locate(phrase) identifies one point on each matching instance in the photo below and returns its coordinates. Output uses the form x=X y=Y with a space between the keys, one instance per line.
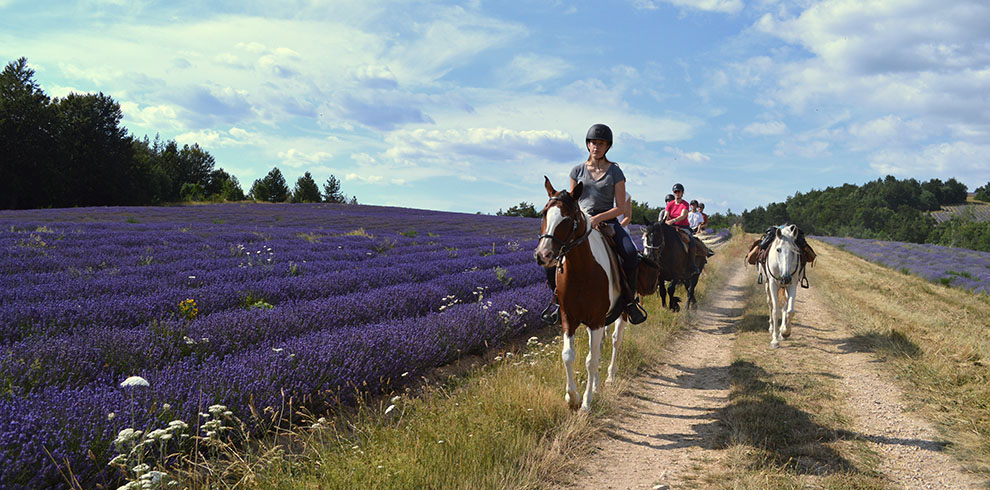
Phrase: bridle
x=766 y=266
x=649 y=247
x=568 y=243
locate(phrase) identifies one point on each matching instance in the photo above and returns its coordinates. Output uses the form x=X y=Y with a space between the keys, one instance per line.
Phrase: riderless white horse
x=782 y=270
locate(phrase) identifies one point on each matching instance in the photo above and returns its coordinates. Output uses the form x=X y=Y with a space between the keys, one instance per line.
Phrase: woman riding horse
x=604 y=199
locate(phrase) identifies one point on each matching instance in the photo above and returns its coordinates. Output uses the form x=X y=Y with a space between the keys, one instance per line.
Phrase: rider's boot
x=635 y=311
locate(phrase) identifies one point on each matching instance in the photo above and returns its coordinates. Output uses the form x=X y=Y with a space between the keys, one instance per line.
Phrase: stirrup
x=550 y=318
x=804 y=282
x=637 y=314
x=759 y=278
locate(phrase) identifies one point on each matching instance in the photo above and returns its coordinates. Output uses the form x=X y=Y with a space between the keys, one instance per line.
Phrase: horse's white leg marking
x=592 y=362
x=568 y=356
x=620 y=326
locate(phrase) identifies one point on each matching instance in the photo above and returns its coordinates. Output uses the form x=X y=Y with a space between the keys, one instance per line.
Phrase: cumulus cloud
x=722 y=6
x=375 y=76
x=486 y=144
x=296 y=158
x=886 y=131
x=531 y=68
x=693 y=156
x=966 y=161
x=234 y=137
x=913 y=56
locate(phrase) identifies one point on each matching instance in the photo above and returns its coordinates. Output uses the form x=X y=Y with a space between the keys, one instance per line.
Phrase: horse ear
x=576 y=194
x=550 y=191
x=778 y=232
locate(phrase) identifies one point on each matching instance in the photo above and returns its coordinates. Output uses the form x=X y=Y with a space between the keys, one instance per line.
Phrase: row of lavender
x=243 y=305
x=958 y=267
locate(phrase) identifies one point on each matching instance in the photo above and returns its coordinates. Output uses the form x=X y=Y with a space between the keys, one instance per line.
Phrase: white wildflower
x=279 y=349
x=389 y=409
x=111 y=415
x=188 y=340
x=166 y=407
x=118 y=459
x=178 y=425
x=134 y=381
x=141 y=469
x=396 y=399
x=126 y=435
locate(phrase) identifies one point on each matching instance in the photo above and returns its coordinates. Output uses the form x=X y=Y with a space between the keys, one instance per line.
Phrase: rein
x=568 y=244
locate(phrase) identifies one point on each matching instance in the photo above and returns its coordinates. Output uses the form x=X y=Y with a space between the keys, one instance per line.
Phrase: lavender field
x=957 y=267
x=245 y=305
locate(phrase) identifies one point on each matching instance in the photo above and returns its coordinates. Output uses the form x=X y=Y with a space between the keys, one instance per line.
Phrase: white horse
x=782 y=270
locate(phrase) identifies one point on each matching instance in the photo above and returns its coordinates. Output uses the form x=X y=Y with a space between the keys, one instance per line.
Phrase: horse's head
x=653 y=241
x=785 y=256
x=562 y=224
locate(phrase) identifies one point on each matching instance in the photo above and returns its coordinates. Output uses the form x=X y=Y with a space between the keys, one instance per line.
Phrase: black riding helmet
x=678 y=187
x=599 y=132
x=668 y=198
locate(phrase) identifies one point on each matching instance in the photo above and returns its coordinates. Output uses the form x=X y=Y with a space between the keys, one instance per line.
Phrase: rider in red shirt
x=677 y=211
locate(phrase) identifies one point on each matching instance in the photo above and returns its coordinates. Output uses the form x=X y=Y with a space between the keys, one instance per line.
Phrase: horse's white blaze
x=554 y=218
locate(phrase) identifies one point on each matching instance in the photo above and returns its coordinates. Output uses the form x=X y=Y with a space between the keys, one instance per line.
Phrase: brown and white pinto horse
x=588 y=286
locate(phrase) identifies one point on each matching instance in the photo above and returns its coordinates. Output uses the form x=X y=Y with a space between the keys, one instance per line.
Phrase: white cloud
x=965 y=161
x=531 y=68
x=722 y=6
x=916 y=56
x=208 y=138
x=296 y=159
x=887 y=131
x=481 y=144
x=694 y=156
x=769 y=128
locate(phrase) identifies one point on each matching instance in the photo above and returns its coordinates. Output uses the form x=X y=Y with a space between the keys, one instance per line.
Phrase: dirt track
x=666 y=438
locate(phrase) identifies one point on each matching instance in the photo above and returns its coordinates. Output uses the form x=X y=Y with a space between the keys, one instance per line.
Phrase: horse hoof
x=785 y=333
x=775 y=344
x=572 y=400
x=585 y=409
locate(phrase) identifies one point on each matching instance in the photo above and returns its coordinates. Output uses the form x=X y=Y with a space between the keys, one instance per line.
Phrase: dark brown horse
x=663 y=244
x=589 y=287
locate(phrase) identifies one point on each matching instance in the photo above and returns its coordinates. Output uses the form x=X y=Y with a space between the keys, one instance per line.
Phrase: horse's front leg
x=674 y=300
x=568 y=355
x=620 y=326
x=788 y=311
x=592 y=362
x=772 y=302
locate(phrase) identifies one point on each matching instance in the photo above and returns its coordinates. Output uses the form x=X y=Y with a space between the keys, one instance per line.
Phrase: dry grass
x=934 y=341
x=785 y=422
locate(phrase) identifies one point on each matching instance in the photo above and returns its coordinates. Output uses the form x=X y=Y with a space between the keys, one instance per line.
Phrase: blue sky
x=466 y=106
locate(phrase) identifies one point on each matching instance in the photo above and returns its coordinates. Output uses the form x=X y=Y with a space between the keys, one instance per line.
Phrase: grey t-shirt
x=598 y=196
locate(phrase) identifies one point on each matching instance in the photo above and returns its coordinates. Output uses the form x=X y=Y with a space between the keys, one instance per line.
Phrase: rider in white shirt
x=694 y=217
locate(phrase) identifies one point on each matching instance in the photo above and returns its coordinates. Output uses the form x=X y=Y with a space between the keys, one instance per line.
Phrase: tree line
x=72 y=151
x=884 y=209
